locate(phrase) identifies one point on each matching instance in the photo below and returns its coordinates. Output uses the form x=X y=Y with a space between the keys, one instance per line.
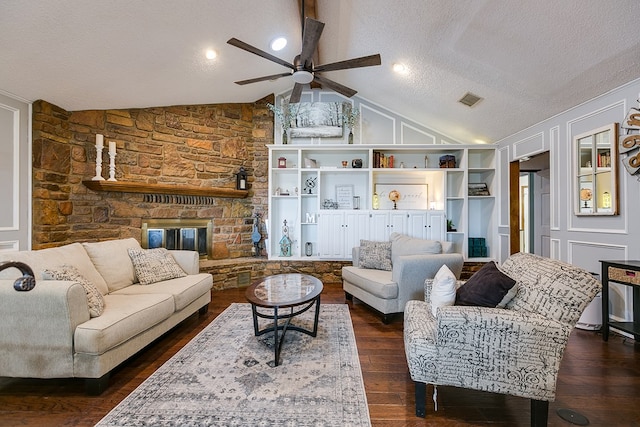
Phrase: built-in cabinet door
x=397 y=222
x=341 y=231
x=436 y=225
x=356 y=228
x=379 y=226
x=332 y=230
x=417 y=225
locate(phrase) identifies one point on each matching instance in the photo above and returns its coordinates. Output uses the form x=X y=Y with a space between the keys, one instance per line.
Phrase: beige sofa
x=410 y=261
x=48 y=332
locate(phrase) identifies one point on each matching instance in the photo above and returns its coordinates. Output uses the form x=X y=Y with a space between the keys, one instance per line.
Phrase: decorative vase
x=284 y=138
x=350 y=137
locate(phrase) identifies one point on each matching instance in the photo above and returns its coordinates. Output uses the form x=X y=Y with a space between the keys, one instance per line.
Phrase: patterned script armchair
x=514 y=350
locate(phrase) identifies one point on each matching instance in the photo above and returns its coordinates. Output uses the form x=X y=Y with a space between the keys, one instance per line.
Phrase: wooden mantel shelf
x=183 y=190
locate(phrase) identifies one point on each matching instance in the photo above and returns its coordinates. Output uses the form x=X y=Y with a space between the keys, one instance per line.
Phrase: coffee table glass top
x=284 y=289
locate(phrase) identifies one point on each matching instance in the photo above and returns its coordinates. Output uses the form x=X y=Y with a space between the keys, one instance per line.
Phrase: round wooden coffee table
x=295 y=292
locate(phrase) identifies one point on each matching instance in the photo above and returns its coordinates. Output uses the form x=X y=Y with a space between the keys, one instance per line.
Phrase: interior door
x=15 y=173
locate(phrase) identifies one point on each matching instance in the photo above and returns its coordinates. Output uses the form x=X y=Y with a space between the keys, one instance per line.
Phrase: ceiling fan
x=302 y=69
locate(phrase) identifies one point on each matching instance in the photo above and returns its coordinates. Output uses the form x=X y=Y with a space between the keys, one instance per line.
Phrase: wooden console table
x=622 y=272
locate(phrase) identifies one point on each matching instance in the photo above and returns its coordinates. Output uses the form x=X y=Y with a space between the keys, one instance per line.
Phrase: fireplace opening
x=187 y=234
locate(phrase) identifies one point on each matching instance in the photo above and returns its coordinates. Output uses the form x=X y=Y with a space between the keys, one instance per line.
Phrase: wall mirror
x=596 y=175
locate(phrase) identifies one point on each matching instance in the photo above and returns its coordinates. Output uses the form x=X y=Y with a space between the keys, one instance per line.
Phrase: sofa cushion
x=375 y=255
x=95 y=299
x=185 y=290
x=488 y=287
x=443 y=289
x=124 y=317
x=112 y=261
x=39 y=260
x=401 y=244
x=154 y=265
x=375 y=282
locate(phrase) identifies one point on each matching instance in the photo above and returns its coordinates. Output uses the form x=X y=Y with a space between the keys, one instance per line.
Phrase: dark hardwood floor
x=599 y=380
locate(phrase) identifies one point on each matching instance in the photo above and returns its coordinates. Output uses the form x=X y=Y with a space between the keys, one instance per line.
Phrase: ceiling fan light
x=211 y=54
x=278 y=44
x=302 y=77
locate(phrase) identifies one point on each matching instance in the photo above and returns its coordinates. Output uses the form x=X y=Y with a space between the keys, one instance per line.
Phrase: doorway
x=530 y=205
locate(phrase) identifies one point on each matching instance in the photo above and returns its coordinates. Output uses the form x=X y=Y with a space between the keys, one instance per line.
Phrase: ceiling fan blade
x=311 y=36
x=348 y=92
x=363 y=61
x=295 y=93
x=244 y=46
x=262 y=79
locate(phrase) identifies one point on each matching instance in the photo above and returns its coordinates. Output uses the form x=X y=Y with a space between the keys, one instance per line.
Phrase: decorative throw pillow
x=488 y=287
x=69 y=272
x=375 y=255
x=154 y=265
x=443 y=289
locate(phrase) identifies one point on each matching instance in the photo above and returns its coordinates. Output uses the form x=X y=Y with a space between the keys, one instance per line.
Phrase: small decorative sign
x=344 y=196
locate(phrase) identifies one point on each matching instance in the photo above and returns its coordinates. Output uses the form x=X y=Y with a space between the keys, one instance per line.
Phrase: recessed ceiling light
x=400 y=68
x=211 y=54
x=278 y=44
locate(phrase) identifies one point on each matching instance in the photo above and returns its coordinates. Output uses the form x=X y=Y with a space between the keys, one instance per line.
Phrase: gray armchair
x=412 y=261
x=514 y=350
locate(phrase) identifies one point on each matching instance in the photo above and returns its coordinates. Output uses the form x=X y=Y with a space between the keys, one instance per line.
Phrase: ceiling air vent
x=470 y=99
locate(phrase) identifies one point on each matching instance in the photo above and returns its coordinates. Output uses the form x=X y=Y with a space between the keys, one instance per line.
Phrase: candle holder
x=98 y=176
x=112 y=166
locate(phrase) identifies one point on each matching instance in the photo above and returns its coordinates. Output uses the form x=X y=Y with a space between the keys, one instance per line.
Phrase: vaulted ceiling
x=529 y=60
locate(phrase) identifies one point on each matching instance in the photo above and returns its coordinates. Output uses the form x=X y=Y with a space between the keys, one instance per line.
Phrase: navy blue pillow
x=486 y=288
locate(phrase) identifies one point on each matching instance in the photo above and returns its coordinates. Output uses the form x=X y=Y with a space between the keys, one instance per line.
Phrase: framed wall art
x=317 y=120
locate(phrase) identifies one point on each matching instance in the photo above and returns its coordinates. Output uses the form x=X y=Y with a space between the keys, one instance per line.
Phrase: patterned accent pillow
x=375 y=255
x=488 y=287
x=69 y=272
x=443 y=289
x=154 y=265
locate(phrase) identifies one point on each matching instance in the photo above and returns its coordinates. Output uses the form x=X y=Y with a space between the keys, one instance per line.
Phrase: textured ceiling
x=528 y=60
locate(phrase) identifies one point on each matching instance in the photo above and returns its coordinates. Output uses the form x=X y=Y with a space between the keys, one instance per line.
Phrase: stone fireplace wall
x=195 y=145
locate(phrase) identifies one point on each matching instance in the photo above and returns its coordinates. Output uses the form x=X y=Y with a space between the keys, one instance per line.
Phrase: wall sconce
x=241 y=179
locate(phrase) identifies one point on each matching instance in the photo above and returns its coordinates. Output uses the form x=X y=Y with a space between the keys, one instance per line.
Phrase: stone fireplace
x=186 y=234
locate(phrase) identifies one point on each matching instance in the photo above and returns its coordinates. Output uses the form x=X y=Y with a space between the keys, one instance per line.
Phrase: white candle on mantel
x=112 y=147
x=99 y=141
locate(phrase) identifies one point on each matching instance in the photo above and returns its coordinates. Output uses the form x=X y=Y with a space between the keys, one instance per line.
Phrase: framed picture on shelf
x=407 y=196
x=344 y=196
x=478 y=189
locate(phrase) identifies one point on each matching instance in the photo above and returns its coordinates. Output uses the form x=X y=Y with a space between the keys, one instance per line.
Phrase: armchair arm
x=500 y=350
x=411 y=271
x=37 y=328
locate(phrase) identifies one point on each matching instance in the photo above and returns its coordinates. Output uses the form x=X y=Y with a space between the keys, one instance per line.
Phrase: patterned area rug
x=224 y=377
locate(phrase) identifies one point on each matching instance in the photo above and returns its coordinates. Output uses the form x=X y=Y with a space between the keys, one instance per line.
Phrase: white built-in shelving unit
x=334 y=232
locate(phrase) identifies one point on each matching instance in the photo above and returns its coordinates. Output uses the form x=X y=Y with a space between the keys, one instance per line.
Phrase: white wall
x=581 y=240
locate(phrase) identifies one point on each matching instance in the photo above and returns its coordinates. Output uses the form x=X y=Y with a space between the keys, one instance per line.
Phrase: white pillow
x=443 y=289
